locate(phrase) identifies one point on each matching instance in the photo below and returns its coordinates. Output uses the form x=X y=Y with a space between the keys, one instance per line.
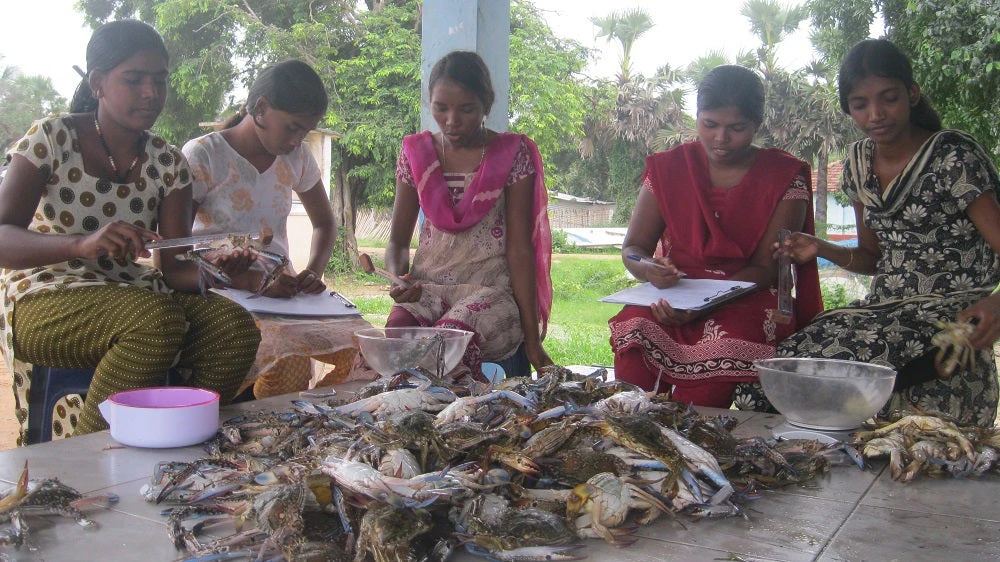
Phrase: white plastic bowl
x=391 y=350
x=825 y=394
x=162 y=416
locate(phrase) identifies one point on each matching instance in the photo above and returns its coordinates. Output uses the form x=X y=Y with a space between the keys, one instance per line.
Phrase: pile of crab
x=415 y=468
x=931 y=444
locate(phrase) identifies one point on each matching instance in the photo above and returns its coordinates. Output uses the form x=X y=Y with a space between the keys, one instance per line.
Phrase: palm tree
x=771 y=23
x=625 y=27
x=803 y=114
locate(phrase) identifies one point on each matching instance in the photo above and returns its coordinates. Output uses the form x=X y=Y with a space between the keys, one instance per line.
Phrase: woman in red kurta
x=715 y=207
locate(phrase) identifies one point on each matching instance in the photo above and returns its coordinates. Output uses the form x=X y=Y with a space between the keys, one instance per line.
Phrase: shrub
x=560 y=242
x=834 y=295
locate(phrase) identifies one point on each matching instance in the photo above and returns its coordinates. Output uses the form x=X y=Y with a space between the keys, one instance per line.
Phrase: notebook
x=687 y=294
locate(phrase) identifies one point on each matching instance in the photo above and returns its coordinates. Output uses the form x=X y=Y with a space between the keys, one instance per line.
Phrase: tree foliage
x=377 y=100
x=625 y=119
x=547 y=96
x=625 y=27
x=956 y=57
x=23 y=99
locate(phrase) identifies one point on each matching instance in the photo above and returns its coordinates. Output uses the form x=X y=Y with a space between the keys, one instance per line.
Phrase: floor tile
x=961 y=497
x=876 y=534
x=778 y=527
x=129 y=538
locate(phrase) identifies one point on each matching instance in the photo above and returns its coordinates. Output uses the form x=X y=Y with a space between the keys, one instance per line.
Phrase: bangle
x=850 y=252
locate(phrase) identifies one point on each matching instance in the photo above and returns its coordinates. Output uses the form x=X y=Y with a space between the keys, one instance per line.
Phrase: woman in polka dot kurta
x=82 y=195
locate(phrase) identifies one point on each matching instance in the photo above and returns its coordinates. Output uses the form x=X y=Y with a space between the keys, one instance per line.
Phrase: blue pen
x=641 y=259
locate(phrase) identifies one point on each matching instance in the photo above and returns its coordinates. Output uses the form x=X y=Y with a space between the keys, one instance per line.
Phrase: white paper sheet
x=687 y=294
x=322 y=304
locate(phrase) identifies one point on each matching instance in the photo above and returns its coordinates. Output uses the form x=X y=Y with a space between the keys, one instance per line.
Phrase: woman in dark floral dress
x=928 y=233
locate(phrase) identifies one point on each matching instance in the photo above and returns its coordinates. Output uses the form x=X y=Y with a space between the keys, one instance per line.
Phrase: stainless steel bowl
x=825 y=394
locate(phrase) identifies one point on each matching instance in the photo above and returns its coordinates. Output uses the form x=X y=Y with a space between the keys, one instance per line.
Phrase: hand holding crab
x=987 y=325
x=230 y=259
x=310 y=282
x=975 y=328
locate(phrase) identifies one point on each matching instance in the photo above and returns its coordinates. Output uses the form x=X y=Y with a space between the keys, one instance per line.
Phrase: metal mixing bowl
x=391 y=350
x=825 y=394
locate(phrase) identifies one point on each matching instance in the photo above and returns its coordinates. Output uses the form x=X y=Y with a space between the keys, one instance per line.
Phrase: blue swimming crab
x=211 y=274
x=45 y=497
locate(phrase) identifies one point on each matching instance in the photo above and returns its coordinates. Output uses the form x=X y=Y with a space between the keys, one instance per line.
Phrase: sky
x=683 y=30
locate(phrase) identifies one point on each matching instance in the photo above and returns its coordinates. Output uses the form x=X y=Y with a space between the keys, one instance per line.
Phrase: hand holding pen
x=661 y=272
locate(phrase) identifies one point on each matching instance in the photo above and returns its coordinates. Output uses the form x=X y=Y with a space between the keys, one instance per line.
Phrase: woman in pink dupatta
x=716 y=205
x=484 y=253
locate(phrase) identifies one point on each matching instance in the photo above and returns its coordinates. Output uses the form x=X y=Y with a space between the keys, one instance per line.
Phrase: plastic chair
x=493 y=371
x=48 y=385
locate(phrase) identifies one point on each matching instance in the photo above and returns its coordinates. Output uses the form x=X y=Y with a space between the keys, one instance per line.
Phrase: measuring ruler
x=195 y=240
x=785 y=280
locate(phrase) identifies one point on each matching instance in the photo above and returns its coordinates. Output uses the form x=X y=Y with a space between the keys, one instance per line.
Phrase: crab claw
x=514 y=459
x=11 y=500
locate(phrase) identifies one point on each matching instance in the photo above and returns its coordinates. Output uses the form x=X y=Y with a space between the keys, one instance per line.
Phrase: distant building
x=570 y=211
x=840 y=220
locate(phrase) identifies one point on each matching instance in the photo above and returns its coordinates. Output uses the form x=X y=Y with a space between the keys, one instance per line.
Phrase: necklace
x=482 y=157
x=111 y=159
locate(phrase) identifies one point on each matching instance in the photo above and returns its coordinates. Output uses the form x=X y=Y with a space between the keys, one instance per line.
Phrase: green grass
x=578 y=329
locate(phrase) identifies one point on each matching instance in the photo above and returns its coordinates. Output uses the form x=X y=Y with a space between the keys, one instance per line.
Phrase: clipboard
x=687 y=294
x=327 y=303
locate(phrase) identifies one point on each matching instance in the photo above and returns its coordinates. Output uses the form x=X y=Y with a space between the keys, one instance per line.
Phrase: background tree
x=547 y=93
x=771 y=23
x=955 y=48
x=625 y=116
x=836 y=25
x=802 y=114
x=23 y=99
x=626 y=28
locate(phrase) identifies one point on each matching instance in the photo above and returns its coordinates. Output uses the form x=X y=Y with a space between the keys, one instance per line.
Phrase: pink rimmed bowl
x=162 y=416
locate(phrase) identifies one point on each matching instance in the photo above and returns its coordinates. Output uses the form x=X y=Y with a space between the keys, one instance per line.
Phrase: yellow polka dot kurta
x=75 y=203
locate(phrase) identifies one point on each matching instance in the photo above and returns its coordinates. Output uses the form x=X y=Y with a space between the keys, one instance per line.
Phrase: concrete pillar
x=482 y=26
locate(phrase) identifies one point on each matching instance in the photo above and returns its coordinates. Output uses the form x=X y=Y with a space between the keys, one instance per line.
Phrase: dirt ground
x=8 y=423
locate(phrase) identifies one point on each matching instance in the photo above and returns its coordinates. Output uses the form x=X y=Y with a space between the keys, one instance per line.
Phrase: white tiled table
x=846 y=515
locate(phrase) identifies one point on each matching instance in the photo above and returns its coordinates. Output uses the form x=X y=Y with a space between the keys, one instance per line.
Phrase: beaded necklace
x=111 y=159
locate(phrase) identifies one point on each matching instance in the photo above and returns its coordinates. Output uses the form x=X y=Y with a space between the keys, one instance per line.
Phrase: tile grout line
x=857 y=505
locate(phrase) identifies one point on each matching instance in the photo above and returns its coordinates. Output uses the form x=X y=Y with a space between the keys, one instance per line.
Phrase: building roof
x=573 y=198
x=834 y=170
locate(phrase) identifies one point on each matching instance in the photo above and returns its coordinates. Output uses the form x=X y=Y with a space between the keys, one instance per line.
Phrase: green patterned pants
x=132 y=336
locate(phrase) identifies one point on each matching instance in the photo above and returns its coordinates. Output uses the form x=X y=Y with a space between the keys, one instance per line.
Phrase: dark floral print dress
x=934 y=264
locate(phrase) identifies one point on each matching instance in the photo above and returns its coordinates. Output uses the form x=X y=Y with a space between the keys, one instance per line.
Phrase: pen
x=343 y=299
x=641 y=259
